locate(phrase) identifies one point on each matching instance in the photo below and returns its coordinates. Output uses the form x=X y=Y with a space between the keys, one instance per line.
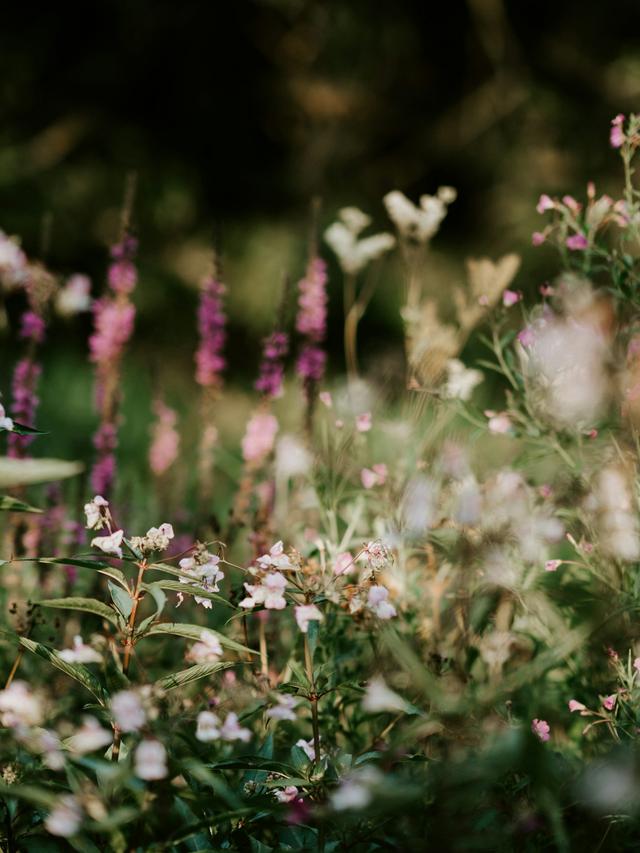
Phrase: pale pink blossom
x=609 y=702
x=269 y=592
x=276 y=558
x=545 y=203
x=343 y=564
x=307 y=747
x=165 y=440
x=510 y=297
x=286 y=795
x=306 y=613
x=616 y=135
x=326 y=399
x=232 y=730
x=89 y=737
x=552 y=565
x=374 y=476
x=65 y=818
x=538 y=238
x=363 y=422
x=499 y=422
x=150 y=761
x=378 y=604
x=541 y=729
x=96 y=512
x=259 y=437
x=128 y=710
x=80 y=652
x=284 y=707
x=574 y=706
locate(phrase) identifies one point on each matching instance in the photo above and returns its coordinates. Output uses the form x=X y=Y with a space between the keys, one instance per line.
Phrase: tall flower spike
x=114 y=317
x=311 y=322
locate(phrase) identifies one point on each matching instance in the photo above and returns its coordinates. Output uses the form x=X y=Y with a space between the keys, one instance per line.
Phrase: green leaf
x=160 y=599
x=75 y=670
x=313 y=632
x=189 y=589
x=121 y=599
x=193 y=673
x=194 y=632
x=23 y=429
x=9 y=504
x=87 y=605
x=23 y=472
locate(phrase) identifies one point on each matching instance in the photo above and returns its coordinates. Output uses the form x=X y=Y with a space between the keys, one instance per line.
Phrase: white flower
x=5 y=422
x=150 y=760
x=269 y=592
x=286 y=795
x=50 y=747
x=460 y=380
x=75 y=296
x=203 y=568
x=13 y=262
x=80 y=653
x=377 y=602
x=128 y=710
x=206 y=650
x=355 y=790
x=376 y=554
x=306 y=613
x=418 y=223
x=379 y=697
x=208 y=727
x=156 y=539
x=232 y=730
x=65 y=818
x=19 y=706
x=499 y=422
x=96 y=511
x=354 y=254
x=307 y=747
x=89 y=737
x=276 y=558
x=110 y=544
x=283 y=710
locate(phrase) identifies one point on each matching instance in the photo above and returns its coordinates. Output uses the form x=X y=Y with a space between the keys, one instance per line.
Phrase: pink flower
x=537 y=238
x=165 y=439
x=545 y=491
x=377 y=602
x=576 y=706
x=510 y=297
x=636 y=664
x=326 y=399
x=571 y=203
x=577 y=242
x=546 y=290
x=499 y=422
x=306 y=613
x=211 y=328
x=344 y=564
x=541 y=729
x=609 y=702
x=259 y=437
x=616 y=135
x=552 y=565
x=545 y=203
x=374 y=476
x=526 y=336
x=286 y=795
x=363 y=422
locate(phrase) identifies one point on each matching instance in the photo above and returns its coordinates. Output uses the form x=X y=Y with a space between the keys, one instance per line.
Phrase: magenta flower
x=271 y=375
x=609 y=702
x=32 y=327
x=552 y=565
x=616 y=135
x=363 y=422
x=576 y=706
x=527 y=336
x=211 y=326
x=545 y=203
x=24 y=402
x=537 y=238
x=311 y=321
x=577 y=242
x=541 y=729
x=123 y=275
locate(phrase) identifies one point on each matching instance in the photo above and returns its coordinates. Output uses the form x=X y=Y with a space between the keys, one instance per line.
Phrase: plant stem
x=128 y=650
x=313 y=697
x=264 y=655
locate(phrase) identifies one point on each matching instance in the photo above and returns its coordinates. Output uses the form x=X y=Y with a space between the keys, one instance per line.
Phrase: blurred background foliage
x=235 y=115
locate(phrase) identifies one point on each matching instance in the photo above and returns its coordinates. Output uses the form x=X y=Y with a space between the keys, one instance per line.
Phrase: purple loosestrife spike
x=25 y=402
x=113 y=318
x=311 y=321
x=211 y=325
x=269 y=381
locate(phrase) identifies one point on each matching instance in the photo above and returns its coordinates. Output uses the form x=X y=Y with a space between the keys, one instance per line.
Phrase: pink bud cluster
x=271 y=375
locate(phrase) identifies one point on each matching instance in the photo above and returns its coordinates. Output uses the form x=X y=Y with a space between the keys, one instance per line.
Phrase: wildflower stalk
x=264 y=654
x=313 y=696
x=128 y=650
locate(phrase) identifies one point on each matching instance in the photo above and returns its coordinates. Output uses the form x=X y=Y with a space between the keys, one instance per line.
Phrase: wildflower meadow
x=320 y=612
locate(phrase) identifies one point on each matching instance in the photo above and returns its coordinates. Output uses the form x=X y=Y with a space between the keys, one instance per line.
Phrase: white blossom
x=379 y=697
x=306 y=613
x=110 y=544
x=353 y=253
x=96 y=513
x=89 y=737
x=80 y=652
x=150 y=761
x=128 y=710
x=19 y=706
x=461 y=380
x=65 y=818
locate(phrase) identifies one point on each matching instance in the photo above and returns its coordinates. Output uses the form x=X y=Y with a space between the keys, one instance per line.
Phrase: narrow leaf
x=193 y=673
x=194 y=632
x=9 y=504
x=75 y=670
x=87 y=605
x=121 y=599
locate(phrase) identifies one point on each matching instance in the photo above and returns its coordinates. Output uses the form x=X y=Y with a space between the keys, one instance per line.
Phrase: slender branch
x=313 y=697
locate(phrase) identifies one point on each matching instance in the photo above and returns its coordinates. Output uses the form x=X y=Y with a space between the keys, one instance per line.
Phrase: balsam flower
x=378 y=604
x=286 y=795
x=80 y=652
x=5 y=422
x=284 y=707
x=19 y=706
x=270 y=592
x=206 y=650
x=306 y=613
x=65 y=819
x=110 y=544
x=89 y=737
x=541 y=729
x=150 y=761
x=128 y=710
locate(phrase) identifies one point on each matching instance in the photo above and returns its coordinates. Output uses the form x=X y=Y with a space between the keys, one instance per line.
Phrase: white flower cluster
x=202 y=570
x=13 y=263
x=5 y=422
x=272 y=583
x=156 y=539
x=355 y=253
x=206 y=650
x=209 y=727
x=419 y=223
